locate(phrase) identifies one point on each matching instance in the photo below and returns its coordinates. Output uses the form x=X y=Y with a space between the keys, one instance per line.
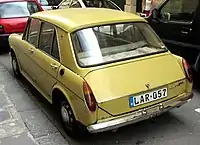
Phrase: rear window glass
x=17 y=9
x=116 y=42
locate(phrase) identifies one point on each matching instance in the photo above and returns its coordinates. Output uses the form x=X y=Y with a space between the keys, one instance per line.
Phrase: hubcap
x=64 y=114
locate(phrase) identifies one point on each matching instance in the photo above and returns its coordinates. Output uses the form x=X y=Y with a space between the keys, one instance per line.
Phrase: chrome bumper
x=140 y=115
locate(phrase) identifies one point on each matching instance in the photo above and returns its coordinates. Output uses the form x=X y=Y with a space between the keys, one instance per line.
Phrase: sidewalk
x=12 y=128
x=22 y=122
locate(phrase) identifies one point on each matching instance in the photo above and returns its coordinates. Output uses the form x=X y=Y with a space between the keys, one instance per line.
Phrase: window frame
x=54 y=35
x=58 y=46
x=28 y=30
x=42 y=24
x=175 y=21
x=72 y=36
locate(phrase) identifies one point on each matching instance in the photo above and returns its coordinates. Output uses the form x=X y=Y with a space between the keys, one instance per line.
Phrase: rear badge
x=147 y=85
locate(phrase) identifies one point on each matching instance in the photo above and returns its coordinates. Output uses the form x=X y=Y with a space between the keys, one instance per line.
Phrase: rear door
x=174 y=22
x=47 y=58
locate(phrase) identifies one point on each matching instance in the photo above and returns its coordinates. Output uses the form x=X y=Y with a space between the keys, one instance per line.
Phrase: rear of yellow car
x=134 y=77
x=122 y=91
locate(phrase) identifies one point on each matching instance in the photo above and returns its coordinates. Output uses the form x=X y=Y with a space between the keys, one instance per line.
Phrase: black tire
x=71 y=126
x=15 y=65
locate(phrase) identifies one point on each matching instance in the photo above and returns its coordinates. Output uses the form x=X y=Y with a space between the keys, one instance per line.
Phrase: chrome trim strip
x=140 y=115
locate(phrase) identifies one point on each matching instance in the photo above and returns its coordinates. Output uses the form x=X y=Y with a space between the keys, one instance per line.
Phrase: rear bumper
x=140 y=115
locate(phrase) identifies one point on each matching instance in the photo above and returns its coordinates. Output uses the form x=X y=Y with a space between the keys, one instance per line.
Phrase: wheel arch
x=12 y=53
x=58 y=93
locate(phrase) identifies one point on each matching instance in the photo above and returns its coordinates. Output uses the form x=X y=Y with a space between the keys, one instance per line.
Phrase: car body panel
x=71 y=84
x=14 y=25
x=117 y=87
x=44 y=65
x=111 y=83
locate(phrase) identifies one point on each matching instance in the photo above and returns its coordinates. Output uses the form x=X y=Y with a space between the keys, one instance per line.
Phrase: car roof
x=72 y=19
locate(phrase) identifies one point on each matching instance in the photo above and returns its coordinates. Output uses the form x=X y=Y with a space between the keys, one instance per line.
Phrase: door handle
x=54 y=66
x=31 y=50
x=184 y=32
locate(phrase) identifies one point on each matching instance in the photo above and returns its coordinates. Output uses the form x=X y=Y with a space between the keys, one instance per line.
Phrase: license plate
x=147 y=97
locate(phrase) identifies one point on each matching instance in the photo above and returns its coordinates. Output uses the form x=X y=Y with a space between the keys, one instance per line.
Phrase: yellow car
x=101 y=68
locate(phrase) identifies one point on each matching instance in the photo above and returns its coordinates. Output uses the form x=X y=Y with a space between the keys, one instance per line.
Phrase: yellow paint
x=112 y=84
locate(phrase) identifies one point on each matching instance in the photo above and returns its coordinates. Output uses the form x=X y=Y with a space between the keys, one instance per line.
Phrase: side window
x=179 y=10
x=76 y=4
x=54 y=50
x=34 y=28
x=48 y=40
x=46 y=37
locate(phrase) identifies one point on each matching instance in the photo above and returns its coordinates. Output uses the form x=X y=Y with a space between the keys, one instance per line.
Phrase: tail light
x=1 y=29
x=187 y=69
x=89 y=97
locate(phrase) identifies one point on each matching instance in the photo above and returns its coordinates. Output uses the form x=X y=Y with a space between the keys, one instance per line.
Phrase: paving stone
x=22 y=101
x=37 y=123
x=19 y=139
x=52 y=139
x=4 y=115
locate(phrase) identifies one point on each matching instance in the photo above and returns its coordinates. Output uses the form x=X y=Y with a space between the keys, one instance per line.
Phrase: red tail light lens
x=188 y=70
x=89 y=97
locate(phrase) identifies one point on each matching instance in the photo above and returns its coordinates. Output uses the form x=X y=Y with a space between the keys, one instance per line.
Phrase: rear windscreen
x=115 y=42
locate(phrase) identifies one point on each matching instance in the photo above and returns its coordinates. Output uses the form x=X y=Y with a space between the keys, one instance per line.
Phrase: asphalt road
x=178 y=127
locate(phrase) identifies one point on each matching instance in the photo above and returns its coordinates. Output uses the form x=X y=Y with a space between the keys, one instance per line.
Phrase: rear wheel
x=67 y=116
x=71 y=126
x=15 y=65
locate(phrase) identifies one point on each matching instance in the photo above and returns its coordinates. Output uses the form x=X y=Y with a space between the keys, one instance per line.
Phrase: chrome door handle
x=30 y=50
x=185 y=32
x=54 y=66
